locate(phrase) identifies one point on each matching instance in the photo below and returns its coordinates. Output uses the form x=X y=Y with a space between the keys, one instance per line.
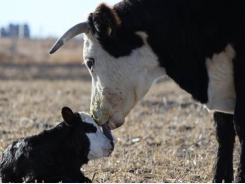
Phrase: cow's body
x=183 y=35
x=198 y=43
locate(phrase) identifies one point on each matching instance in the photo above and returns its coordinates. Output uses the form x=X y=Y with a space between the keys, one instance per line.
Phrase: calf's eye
x=89 y=128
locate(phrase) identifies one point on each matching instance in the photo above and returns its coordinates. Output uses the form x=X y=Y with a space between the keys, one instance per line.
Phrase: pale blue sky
x=47 y=17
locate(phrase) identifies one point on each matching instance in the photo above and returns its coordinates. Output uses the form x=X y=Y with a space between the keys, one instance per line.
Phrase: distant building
x=15 y=30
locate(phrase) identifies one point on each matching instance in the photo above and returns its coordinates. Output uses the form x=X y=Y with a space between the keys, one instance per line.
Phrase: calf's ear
x=105 y=19
x=68 y=115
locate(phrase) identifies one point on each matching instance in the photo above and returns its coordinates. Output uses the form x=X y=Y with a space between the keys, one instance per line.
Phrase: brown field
x=26 y=50
x=166 y=137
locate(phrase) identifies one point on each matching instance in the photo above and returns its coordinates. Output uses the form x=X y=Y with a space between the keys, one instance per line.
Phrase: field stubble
x=166 y=137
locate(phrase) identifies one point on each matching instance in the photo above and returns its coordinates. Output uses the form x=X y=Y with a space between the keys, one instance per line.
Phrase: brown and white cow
x=200 y=44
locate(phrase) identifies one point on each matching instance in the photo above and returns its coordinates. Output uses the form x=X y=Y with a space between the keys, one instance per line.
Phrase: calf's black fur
x=54 y=155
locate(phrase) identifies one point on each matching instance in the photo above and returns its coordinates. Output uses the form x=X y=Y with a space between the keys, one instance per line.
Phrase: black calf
x=52 y=156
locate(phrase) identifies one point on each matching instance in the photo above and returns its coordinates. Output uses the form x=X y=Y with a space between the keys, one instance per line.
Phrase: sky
x=47 y=18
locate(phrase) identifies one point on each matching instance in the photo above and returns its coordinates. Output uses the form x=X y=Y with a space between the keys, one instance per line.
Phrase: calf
x=57 y=154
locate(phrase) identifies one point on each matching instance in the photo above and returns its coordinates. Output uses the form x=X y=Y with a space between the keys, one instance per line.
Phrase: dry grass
x=36 y=51
x=166 y=137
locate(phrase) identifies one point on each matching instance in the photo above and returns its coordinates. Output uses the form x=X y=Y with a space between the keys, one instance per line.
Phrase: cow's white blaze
x=100 y=145
x=119 y=83
x=221 y=90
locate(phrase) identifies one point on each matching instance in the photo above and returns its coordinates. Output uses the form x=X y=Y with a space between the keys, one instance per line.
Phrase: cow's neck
x=181 y=48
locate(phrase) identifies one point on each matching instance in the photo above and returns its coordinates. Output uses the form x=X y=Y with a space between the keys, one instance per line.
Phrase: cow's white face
x=119 y=79
x=118 y=83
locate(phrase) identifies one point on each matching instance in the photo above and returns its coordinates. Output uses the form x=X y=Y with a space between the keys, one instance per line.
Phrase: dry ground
x=36 y=50
x=166 y=137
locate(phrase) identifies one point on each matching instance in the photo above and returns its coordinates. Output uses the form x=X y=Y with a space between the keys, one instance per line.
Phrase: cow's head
x=120 y=61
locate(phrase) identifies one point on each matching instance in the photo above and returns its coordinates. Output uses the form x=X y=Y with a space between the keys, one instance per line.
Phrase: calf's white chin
x=100 y=145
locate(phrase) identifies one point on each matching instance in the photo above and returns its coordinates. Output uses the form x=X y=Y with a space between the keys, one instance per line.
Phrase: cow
x=200 y=44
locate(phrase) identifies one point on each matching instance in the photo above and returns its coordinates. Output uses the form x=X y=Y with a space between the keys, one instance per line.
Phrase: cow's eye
x=90 y=63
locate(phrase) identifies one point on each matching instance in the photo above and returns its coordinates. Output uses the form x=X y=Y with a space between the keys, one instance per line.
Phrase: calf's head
x=120 y=61
x=100 y=144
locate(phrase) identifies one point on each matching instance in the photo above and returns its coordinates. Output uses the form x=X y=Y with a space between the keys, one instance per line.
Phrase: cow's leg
x=239 y=119
x=239 y=114
x=225 y=134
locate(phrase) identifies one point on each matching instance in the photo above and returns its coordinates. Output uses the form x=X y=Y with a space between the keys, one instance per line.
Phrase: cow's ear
x=68 y=115
x=105 y=19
